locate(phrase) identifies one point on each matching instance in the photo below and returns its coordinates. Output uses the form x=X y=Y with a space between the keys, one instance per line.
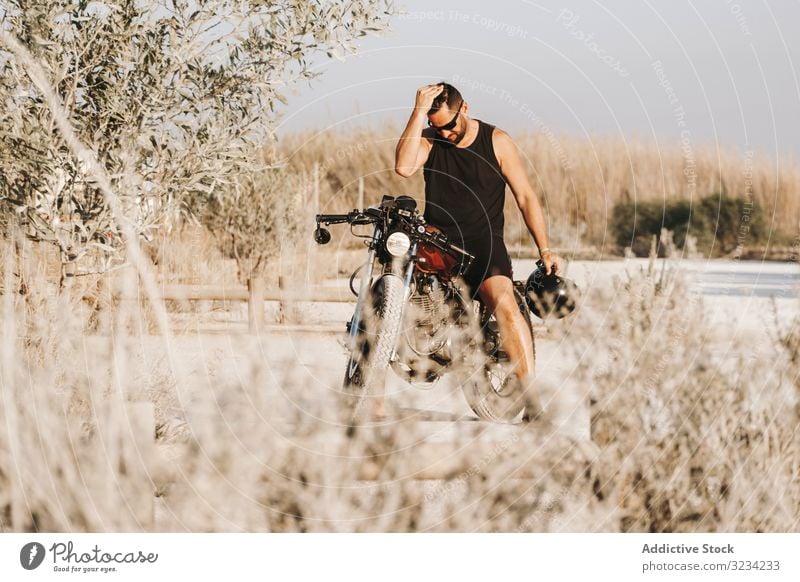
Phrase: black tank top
x=464 y=188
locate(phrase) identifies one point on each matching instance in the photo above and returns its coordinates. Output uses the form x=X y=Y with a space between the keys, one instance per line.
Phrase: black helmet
x=548 y=295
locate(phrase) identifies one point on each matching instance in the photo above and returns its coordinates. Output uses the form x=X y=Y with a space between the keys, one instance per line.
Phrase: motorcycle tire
x=368 y=363
x=489 y=385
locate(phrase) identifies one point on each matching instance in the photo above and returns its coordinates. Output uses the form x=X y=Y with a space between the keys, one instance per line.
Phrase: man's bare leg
x=497 y=293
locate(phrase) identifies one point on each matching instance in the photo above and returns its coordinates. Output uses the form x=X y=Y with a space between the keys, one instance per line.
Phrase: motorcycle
x=414 y=313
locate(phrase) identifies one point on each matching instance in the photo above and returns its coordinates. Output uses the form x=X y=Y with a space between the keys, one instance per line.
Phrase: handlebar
x=332 y=218
x=372 y=215
x=353 y=217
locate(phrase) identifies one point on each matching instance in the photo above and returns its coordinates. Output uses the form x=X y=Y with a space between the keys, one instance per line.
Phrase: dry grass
x=690 y=441
x=175 y=254
x=683 y=440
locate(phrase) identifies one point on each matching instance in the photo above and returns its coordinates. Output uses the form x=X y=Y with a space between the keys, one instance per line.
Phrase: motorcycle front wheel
x=370 y=356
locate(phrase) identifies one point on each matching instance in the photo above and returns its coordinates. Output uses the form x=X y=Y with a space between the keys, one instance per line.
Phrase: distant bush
x=718 y=224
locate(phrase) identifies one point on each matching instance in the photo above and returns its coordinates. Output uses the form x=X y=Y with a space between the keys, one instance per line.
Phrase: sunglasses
x=451 y=124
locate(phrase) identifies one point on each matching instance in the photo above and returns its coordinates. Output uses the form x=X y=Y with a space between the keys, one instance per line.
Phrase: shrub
x=719 y=224
x=725 y=223
x=257 y=219
x=688 y=441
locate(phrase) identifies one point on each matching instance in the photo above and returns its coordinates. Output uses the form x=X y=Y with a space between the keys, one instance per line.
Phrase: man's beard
x=459 y=137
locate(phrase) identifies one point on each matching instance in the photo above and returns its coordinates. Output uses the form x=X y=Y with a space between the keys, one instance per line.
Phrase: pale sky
x=708 y=71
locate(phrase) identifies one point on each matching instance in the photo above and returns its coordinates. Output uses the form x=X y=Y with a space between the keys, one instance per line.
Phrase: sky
x=703 y=72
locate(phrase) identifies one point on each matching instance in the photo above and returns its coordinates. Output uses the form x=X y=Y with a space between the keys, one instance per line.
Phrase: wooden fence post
x=360 y=202
x=281 y=306
x=255 y=303
x=315 y=192
x=311 y=256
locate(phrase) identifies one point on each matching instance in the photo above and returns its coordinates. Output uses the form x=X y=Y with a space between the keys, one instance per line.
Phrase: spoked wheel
x=356 y=363
x=369 y=358
x=489 y=384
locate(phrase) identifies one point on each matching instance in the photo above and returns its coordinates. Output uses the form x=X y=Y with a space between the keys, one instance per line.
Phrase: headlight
x=398 y=244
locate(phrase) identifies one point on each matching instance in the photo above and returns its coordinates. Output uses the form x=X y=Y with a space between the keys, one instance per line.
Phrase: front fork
x=364 y=287
x=363 y=292
x=412 y=263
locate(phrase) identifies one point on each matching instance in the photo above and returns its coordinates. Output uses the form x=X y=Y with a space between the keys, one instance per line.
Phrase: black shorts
x=491 y=258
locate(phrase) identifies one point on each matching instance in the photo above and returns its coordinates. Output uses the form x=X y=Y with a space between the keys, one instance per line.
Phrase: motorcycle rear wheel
x=488 y=383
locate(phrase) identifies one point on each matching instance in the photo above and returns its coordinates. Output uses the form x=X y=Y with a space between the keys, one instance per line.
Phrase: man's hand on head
x=425 y=97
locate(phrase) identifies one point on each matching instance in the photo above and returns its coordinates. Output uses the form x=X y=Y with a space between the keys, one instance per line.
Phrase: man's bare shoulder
x=502 y=143
x=500 y=137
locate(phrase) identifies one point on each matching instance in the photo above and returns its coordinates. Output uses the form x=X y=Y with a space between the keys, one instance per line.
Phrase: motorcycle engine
x=428 y=311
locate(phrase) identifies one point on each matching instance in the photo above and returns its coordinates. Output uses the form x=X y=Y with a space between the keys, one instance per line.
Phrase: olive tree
x=257 y=217
x=172 y=97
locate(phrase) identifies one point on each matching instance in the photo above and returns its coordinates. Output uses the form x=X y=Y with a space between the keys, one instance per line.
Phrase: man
x=467 y=164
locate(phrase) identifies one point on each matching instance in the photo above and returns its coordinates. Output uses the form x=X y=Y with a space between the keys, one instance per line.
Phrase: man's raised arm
x=413 y=149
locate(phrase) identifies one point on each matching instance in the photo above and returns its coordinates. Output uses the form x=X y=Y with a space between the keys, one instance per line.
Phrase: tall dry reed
x=578 y=180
